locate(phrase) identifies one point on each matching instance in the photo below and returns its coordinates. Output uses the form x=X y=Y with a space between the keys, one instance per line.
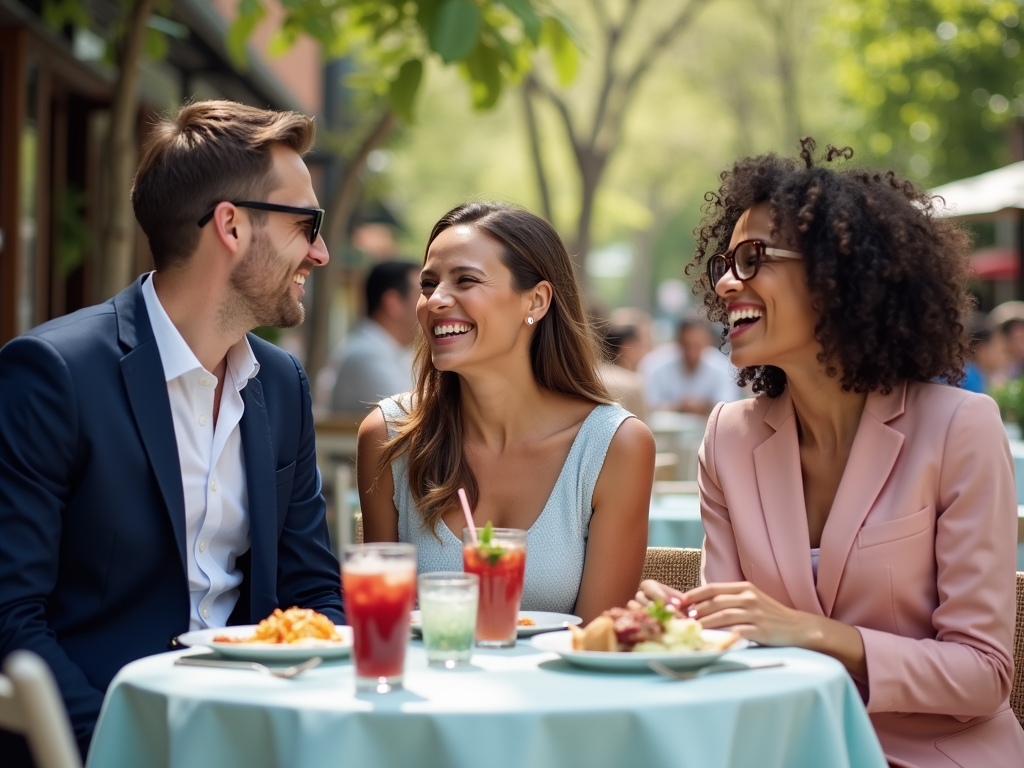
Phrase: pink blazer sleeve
x=967 y=670
x=720 y=560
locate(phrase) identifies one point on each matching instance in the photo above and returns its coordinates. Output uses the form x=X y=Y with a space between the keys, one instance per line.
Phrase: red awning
x=996 y=264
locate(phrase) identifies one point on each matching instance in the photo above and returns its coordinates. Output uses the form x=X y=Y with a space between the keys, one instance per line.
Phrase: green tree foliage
x=491 y=42
x=939 y=81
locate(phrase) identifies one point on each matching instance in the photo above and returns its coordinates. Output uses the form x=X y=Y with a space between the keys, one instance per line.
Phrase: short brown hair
x=211 y=151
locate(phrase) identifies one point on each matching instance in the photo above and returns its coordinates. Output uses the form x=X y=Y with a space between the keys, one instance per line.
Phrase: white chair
x=30 y=704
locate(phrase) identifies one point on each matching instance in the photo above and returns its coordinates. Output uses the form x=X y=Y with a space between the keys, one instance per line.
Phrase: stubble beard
x=261 y=289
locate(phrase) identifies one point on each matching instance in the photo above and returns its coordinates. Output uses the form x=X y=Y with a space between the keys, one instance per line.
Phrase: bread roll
x=599 y=635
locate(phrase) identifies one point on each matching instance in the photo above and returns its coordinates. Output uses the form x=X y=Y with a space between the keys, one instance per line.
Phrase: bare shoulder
x=632 y=436
x=630 y=455
x=373 y=430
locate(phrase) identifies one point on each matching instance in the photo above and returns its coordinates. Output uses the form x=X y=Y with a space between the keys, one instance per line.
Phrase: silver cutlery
x=711 y=669
x=290 y=672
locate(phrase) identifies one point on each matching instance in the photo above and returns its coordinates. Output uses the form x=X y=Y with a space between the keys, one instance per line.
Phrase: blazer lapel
x=780 y=486
x=260 y=477
x=875 y=449
x=143 y=374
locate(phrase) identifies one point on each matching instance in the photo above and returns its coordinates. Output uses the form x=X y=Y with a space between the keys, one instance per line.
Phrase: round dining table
x=518 y=707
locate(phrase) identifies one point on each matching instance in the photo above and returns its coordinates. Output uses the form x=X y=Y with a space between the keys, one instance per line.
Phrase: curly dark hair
x=886 y=276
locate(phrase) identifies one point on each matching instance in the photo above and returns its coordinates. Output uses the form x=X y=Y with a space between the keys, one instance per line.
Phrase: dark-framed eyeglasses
x=316 y=214
x=744 y=260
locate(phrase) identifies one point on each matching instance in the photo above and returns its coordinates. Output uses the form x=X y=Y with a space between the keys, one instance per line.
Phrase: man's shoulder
x=273 y=359
x=80 y=335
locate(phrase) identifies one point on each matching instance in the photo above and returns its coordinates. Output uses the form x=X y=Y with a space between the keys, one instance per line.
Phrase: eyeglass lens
x=746 y=257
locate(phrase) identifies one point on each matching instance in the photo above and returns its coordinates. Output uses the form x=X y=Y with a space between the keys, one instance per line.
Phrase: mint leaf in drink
x=486 y=548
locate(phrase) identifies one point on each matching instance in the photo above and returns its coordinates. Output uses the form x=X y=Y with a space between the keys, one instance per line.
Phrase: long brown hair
x=563 y=354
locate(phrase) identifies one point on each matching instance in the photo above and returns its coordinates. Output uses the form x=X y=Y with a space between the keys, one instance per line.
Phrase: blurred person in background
x=624 y=384
x=691 y=376
x=376 y=359
x=987 y=362
x=633 y=331
x=509 y=405
x=1008 y=319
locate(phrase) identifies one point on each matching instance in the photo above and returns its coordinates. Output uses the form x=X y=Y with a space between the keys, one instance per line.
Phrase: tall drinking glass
x=500 y=564
x=448 y=603
x=379 y=584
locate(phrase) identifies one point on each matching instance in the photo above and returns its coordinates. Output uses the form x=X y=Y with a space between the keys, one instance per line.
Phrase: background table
x=674 y=521
x=513 y=708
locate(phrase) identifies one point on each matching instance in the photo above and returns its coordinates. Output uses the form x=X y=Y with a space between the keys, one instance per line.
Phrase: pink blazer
x=918 y=553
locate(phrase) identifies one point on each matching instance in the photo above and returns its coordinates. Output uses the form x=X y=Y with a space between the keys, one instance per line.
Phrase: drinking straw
x=469 y=515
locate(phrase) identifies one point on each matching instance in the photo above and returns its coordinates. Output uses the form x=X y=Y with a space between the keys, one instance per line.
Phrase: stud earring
x=529 y=321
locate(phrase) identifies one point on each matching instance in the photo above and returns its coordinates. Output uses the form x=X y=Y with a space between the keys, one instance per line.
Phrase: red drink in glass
x=500 y=569
x=380 y=591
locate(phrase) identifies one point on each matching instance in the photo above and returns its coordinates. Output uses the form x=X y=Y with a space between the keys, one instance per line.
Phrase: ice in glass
x=448 y=604
x=499 y=559
x=379 y=586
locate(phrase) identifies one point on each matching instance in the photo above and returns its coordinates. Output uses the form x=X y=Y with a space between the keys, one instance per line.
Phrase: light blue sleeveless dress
x=555 y=544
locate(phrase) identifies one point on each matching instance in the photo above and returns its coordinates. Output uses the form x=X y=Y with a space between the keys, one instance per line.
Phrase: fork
x=711 y=669
x=287 y=674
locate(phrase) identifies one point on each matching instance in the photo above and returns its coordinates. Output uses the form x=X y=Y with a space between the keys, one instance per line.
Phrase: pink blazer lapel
x=780 y=486
x=876 y=447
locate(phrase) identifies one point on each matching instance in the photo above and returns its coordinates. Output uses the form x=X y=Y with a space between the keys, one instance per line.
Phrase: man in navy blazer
x=114 y=539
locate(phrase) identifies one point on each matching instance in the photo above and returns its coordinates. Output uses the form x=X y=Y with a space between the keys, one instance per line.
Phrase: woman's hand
x=750 y=613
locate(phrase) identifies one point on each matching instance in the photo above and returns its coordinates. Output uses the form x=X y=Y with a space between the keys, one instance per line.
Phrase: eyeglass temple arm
x=782 y=253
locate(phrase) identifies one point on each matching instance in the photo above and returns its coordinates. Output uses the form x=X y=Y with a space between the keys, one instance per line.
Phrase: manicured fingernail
x=692 y=613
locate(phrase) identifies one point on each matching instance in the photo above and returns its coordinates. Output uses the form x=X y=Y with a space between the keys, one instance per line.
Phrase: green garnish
x=492 y=552
x=658 y=611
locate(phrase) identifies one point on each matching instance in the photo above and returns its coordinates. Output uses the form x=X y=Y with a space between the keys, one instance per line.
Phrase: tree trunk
x=338 y=216
x=591 y=167
x=117 y=242
x=533 y=133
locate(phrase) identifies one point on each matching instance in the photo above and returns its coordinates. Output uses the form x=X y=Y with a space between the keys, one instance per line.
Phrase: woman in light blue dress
x=509 y=405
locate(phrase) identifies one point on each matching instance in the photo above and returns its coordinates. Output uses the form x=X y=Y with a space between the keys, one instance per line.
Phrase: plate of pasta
x=287 y=636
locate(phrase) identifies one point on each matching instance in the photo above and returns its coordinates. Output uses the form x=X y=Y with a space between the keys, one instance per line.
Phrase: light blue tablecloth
x=675 y=522
x=518 y=708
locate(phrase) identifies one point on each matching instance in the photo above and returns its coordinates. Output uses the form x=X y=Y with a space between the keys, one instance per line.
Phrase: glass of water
x=448 y=603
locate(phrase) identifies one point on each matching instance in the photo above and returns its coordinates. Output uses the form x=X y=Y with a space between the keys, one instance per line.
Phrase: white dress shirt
x=667 y=382
x=212 y=465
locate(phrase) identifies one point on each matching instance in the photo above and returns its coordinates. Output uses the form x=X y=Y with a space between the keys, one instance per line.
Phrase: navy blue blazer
x=92 y=515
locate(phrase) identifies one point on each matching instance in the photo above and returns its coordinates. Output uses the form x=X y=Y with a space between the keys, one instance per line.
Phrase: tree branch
x=563 y=111
x=661 y=42
x=339 y=216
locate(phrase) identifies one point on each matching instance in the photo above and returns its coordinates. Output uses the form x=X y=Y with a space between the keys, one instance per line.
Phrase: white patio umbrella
x=994 y=195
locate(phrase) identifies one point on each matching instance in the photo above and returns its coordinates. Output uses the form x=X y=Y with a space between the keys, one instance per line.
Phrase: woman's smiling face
x=469 y=309
x=771 y=320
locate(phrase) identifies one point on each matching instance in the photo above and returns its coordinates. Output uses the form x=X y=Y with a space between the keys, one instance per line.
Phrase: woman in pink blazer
x=854 y=507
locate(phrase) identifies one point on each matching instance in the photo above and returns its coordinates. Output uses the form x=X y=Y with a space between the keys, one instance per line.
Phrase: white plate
x=561 y=643
x=544 y=621
x=272 y=652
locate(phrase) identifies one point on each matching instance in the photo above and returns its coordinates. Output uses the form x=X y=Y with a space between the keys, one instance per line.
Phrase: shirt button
x=202 y=545
x=202 y=421
x=204 y=381
x=213 y=486
x=206 y=612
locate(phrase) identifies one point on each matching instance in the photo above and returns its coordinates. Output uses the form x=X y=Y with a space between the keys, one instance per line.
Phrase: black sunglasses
x=316 y=214
x=744 y=260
